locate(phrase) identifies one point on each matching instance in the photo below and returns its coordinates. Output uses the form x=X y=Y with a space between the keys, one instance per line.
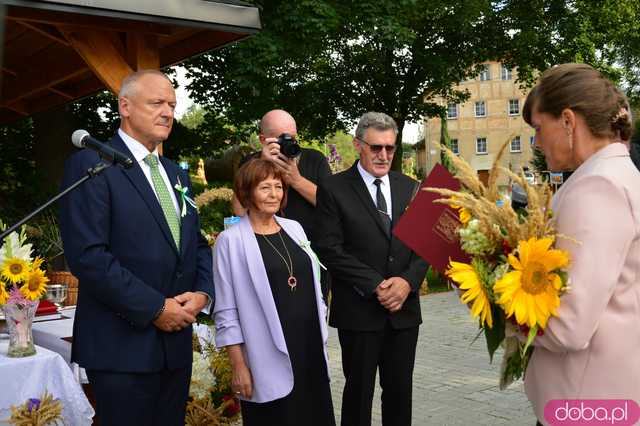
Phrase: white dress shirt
x=140 y=152
x=368 y=179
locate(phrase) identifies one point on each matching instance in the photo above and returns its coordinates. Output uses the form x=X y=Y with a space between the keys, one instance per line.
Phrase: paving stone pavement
x=453 y=382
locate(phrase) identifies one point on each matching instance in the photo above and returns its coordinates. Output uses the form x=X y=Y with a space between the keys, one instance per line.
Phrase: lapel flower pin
x=184 y=198
x=306 y=246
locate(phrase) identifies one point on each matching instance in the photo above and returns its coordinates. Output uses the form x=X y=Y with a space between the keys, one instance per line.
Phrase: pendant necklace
x=292 y=281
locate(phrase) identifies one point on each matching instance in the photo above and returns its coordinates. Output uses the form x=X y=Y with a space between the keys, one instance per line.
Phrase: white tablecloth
x=29 y=377
x=50 y=334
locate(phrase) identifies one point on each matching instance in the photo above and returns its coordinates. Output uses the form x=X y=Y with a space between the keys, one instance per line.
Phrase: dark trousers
x=141 y=399
x=363 y=352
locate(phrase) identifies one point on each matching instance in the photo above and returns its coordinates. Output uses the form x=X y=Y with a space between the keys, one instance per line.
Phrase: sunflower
x=463 y=214
x=37 y=263
x=35 y=286
x=3 y=294
x=532 y=290
x=15 y=270
x=469 y=281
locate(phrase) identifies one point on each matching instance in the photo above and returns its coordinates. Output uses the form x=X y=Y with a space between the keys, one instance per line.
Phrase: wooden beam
x=48 y=31
x=18 y=52
x=142 y=51
x=61 y=93
x=85 y=22
x=100 y=52
x=200 y=42
x=8 y=71
x=62 y=64
x=12 y=30
x=82 y=87
x=19 y=107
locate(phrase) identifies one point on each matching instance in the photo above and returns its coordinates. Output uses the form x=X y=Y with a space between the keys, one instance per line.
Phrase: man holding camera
x=303 y=168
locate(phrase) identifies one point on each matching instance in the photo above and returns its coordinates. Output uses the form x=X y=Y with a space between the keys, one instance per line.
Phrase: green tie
x=164 y=197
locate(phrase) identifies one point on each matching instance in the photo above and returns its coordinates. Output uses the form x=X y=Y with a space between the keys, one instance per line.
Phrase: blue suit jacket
x=117 y=242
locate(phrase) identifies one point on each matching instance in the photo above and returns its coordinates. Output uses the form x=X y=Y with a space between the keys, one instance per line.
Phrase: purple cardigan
x=246 y=313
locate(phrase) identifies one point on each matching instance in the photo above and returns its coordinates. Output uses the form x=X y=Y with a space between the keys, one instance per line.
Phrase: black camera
x=289 y=145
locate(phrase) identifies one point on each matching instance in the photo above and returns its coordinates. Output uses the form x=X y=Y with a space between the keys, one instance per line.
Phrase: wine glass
x=57 y=293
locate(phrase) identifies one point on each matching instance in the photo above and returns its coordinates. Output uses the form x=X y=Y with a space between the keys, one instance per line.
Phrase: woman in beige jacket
x=591 y=350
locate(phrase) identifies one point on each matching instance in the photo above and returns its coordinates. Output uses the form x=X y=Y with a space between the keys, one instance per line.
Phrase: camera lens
x=289 y=145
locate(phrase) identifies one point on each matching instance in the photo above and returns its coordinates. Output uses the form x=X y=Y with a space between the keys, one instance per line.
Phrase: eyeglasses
x=376 y=149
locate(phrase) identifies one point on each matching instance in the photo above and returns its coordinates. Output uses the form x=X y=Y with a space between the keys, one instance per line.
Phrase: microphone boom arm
x=92 y=172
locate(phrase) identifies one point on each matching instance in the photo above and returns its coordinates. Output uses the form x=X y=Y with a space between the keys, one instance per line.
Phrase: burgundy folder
x=430 y=229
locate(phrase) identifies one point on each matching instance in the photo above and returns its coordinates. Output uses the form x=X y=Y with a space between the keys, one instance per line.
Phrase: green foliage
x=344 y=144
x=539 y=164
x=98 y=114
x=495 y=335
x=212 y=215
x=635 y=138
x=445 y=141
x=19 y=177
x=541 y=33
x=314 y=144
x=193 y=117
x=44 y=234
x=329 y=61
x=203 y=134
x=436 y=282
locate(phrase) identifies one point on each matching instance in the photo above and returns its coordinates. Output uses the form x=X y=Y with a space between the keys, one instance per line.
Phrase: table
x=29 y=377
x=55 y=335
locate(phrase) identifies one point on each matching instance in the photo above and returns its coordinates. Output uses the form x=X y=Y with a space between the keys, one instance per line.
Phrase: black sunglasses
x=376 y=149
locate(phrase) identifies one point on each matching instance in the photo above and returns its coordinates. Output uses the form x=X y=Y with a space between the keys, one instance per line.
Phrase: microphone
x=82 y=139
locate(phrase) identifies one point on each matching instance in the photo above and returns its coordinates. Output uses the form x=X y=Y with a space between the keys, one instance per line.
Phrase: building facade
x=477 y=128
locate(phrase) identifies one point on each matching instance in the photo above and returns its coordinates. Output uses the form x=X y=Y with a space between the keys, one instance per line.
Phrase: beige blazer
x=592 y=349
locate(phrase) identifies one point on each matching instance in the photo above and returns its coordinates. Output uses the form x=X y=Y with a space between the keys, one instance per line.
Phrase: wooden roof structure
x=57 y=51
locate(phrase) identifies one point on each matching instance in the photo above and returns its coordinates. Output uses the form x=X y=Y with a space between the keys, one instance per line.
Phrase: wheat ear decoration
x=464 y=173
x=494 y=173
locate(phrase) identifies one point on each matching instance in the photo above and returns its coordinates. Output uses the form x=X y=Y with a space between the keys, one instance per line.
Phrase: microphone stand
x=92 y=172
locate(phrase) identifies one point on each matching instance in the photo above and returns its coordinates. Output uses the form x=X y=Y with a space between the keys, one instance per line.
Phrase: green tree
x=541 y=33
x=539 y=164
x=328 y=61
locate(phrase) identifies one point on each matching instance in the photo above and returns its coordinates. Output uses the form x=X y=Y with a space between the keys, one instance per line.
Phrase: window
x=484 y=73
x=514 y=106
x=454 y=146
x=532 y=141
x=481 y=145
x=481 y=109
x=452 y=110
x=506 y=73
x=515 y=144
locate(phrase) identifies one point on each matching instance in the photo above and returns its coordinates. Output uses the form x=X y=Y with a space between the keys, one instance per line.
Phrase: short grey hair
x=376 y=120
x=129 y=84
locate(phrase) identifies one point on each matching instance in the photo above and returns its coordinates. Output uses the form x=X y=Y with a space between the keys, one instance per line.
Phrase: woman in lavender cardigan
x=269 y=312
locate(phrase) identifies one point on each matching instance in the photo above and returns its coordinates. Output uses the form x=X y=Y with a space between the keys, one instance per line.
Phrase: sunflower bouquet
x=22 y=284
x=516 y=277
x=22 y=279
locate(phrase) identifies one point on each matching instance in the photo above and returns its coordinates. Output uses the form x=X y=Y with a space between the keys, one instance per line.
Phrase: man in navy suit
x=144 y=268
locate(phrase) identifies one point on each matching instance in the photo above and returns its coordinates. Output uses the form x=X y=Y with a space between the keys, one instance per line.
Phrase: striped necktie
x=164 y=197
